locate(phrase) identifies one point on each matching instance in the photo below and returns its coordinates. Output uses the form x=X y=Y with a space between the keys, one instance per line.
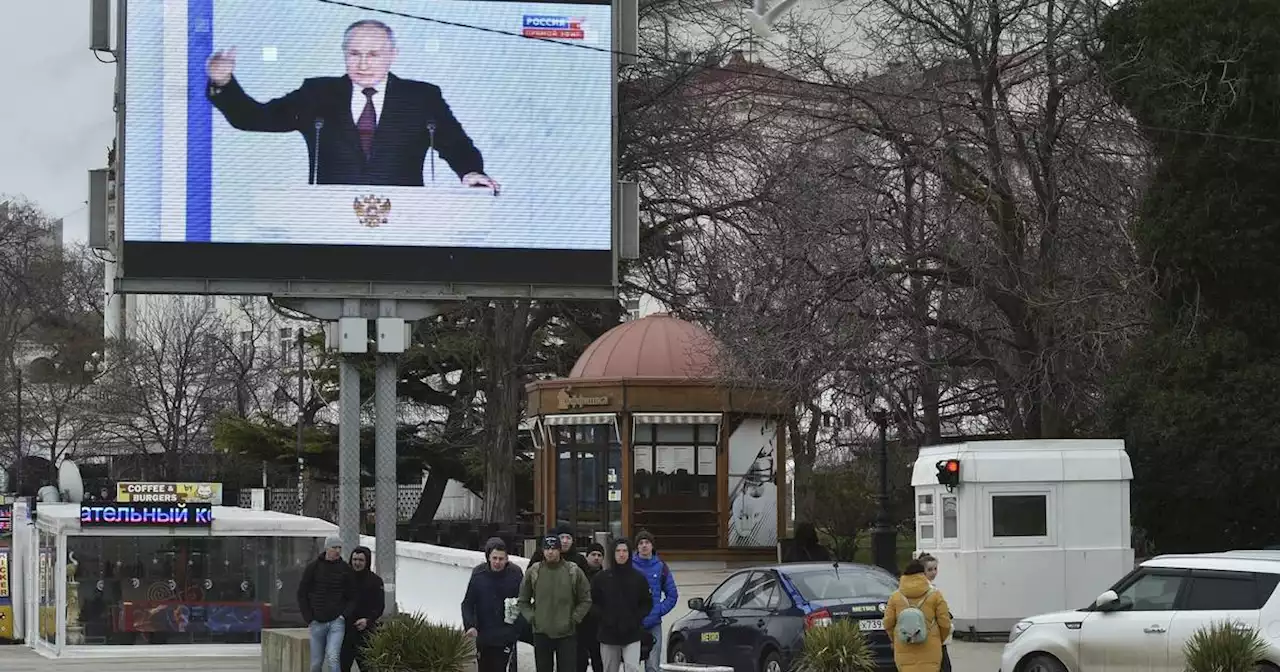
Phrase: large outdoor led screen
x=400 y=141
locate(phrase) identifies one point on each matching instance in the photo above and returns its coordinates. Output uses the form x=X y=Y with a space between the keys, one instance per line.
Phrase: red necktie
x=368 y=122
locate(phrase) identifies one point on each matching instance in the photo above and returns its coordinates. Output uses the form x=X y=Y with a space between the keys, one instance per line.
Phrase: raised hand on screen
x=221 y=65
x=481 y=180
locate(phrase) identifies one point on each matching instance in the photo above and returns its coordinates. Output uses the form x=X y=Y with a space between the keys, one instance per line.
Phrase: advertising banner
x=146 y=515
x=6 y=594
x=207 y=493
x=405 y=140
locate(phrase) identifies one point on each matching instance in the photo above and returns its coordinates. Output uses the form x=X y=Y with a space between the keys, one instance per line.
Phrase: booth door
x=674 y=485
x=588 y=480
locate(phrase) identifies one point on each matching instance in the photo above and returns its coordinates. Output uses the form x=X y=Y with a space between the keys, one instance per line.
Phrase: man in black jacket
x=620 y=600
x=588 y=647
x=367 y=607
x=485 y=611
x=325 y=596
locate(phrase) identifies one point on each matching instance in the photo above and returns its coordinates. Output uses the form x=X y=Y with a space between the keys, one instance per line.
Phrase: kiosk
x=138 y=575
x=1028 y=527
x=647 y=433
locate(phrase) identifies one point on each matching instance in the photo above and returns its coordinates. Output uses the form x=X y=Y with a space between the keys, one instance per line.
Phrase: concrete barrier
x=286 y=650
x=433 y=579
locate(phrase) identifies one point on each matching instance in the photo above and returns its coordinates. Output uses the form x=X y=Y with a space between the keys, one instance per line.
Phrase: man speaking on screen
x=367 y=127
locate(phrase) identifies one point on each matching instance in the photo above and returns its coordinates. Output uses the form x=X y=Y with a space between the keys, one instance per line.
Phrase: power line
x=782 y=77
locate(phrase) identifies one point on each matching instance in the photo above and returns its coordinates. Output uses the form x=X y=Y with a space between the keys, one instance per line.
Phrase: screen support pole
x=350 y=349
x=392 y=337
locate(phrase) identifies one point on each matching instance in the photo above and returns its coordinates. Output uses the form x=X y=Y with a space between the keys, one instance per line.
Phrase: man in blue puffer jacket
x=662 y=585
x=484 y=614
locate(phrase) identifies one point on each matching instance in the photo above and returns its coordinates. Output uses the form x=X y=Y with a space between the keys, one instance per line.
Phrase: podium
x=439 y=215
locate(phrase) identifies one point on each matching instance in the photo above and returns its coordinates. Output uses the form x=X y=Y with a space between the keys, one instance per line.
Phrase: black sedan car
x=756 y=619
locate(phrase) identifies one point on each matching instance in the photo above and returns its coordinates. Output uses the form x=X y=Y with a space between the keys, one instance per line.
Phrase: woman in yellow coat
x=914 y=590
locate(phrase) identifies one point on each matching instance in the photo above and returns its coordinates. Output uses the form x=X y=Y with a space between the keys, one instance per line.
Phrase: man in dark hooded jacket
x=367 y=607
x=484 y=610
x=620 y=600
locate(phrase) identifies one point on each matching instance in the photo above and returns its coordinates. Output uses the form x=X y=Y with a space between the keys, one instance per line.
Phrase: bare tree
x=171 y=378
x=1006 y=181
x=50 y=334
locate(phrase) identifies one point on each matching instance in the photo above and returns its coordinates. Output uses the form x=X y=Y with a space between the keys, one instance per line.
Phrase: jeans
x=326 y=644
x=626 y=656
x=555 y=655
x=654 y=662
x=946 y=659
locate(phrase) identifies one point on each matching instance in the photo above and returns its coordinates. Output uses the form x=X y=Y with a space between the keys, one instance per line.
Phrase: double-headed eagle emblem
x=372 y=210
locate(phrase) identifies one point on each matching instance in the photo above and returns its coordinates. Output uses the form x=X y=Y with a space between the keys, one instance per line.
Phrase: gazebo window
x=675 y=460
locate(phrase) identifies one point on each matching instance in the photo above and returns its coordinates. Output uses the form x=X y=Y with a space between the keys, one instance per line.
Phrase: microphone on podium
x=431 y=147
x=315 y=154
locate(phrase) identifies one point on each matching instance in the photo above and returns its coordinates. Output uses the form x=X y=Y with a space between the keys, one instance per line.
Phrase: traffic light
x=949 y=473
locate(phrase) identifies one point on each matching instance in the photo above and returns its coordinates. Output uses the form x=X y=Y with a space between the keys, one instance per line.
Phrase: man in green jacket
x=554 y=598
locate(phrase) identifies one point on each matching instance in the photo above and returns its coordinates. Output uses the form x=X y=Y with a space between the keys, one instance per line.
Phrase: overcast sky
x=52 y=134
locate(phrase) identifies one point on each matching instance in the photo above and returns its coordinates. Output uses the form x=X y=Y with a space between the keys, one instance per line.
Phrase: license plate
x=870 y=624
x=710 y=636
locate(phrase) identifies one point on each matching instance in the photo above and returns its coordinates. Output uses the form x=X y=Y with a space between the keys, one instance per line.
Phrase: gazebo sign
x=566 y=401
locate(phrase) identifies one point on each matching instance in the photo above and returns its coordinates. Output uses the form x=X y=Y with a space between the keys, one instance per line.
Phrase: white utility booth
x=130 y=579
x=1033 y=526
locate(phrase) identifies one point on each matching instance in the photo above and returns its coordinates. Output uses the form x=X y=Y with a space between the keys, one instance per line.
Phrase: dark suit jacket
x=409 y=110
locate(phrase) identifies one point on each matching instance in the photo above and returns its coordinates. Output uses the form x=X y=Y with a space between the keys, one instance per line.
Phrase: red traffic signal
x=949 y=473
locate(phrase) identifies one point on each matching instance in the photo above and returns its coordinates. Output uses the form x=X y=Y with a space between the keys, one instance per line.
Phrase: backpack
x=912 y=626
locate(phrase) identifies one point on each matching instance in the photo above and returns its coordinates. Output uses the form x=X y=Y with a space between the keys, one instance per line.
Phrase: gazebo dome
x=657 y=346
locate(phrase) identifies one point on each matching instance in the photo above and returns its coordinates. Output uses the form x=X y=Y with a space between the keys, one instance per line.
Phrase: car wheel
x=771 y=662
x=676 y=654
x=1043 y=663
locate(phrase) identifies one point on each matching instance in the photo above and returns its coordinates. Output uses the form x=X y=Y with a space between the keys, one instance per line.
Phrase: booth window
x=950 y=519
x=188 y=590
x=924 y=515
x=48 y=587
x=1020 y=515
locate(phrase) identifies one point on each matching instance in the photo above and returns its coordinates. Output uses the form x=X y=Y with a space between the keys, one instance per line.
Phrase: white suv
x=1143 y=622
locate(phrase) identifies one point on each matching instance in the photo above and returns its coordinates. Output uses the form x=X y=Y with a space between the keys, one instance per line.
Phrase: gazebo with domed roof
x=645 y=434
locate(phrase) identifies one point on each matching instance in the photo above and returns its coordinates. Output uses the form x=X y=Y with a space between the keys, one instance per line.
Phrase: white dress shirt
x=358 y=101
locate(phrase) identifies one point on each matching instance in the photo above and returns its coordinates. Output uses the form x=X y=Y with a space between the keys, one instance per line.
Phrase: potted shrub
x=411 y=643
x=1227 y=646
x=839 y=647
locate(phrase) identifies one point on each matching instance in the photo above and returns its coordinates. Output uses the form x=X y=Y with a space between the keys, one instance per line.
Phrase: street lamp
x=884 y=542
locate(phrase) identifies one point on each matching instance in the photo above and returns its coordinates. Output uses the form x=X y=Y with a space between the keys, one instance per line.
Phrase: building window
x=950 y=519
x=633 y=309
x=675 y=460
x=926 y=531
x=1020 y=515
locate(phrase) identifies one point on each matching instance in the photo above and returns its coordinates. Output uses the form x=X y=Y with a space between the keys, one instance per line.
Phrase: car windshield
x=843 y=584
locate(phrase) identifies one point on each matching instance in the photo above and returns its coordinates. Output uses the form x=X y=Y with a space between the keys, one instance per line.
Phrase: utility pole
x=301 y=411
x=884 y=542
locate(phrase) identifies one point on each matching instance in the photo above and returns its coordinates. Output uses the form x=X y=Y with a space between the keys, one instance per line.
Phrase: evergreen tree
x=1199 y=404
